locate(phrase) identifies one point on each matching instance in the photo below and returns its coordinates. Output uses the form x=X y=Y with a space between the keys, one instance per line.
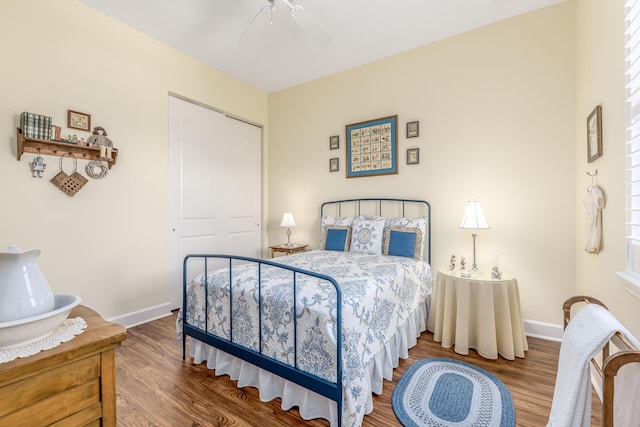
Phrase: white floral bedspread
x=379 y=293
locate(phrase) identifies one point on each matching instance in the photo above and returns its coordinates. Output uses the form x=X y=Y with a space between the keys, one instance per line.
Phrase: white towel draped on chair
x=584 y=337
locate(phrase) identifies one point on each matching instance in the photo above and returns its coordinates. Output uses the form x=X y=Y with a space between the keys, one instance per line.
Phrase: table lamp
x=287 y=221
x=474 y=220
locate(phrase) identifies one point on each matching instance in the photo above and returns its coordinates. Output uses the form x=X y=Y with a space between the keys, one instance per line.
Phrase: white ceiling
x=284 y=54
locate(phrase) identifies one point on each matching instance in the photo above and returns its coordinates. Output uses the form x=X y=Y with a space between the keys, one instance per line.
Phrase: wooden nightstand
x=288 y=250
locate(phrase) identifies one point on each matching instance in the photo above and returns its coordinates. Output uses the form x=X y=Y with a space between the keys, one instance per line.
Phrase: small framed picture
x=334 y=165
x=334 y=142
x=80 y=121
x=413 y=156
x=594 y=135
x=413 y=129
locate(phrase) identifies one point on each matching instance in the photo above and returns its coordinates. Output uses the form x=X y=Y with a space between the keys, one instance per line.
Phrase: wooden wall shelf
x=55 y=148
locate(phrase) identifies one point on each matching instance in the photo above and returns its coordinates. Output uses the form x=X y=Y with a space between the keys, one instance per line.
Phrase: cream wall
x=109 y=243
x=501 y=111
x=600 y=80
x=497 y=123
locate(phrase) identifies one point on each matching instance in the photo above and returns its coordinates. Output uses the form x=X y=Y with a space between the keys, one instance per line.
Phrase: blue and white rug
x=448 y=392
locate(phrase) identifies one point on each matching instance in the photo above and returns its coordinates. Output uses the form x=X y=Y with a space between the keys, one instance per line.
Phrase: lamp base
x=288 y=244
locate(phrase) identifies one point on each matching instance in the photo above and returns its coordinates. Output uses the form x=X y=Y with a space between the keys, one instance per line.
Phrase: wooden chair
x=624 y=352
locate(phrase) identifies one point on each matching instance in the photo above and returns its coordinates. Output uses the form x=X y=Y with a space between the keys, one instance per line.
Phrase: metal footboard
x=328 y=389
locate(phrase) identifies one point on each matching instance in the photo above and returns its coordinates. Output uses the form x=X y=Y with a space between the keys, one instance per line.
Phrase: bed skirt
x=312 y=405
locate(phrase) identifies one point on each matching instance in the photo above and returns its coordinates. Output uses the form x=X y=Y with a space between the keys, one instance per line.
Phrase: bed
x=273 y=324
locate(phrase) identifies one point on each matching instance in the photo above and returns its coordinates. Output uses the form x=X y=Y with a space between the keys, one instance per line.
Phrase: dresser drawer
x=70 y=385
x=47 y=396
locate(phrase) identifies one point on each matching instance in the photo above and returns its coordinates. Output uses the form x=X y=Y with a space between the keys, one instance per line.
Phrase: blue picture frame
x=372 y=147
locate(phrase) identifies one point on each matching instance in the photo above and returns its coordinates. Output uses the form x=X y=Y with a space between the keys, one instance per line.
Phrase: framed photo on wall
x=334 y=165
x=594 y=134
x=77 y=120
x=413 y=129
x=372 y=147
x=413 y=156
x=334 y=142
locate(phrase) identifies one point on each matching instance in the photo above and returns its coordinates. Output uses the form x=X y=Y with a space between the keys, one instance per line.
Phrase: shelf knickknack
x=56 y=148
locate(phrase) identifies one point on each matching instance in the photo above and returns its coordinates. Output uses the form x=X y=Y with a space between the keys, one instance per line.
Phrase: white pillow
x=366 y=235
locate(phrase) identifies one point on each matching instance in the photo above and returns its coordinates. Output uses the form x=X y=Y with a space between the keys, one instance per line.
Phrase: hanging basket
x=69 y=184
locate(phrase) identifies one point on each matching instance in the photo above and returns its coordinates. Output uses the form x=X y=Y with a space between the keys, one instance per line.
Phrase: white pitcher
x=24 y=292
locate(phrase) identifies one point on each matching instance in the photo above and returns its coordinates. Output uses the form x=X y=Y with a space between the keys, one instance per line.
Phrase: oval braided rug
x=448 y=392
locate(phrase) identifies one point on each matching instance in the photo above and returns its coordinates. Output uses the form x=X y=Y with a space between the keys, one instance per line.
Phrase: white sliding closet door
x=215 y=187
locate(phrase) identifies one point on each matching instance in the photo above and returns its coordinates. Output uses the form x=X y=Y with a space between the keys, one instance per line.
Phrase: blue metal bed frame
x=321 y=386
x=328 y=389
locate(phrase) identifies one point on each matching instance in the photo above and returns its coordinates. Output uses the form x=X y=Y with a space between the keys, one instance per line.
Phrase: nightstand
x=288 y=250
x=478 y=312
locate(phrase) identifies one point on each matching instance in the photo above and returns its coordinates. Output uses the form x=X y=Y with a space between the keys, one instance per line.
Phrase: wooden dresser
x=73 y=384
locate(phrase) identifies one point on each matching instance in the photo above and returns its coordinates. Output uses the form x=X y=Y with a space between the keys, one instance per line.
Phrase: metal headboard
x=380 y=206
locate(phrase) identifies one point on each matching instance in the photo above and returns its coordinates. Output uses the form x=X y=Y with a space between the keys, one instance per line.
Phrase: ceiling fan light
x=300 y=16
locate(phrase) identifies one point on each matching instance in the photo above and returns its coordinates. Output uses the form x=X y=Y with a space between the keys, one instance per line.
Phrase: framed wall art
x=334 y=142
x=594 y=134
x=372 y=147
x=413 y=156
x=80 y=121
x=413 y=129
x=334 y=165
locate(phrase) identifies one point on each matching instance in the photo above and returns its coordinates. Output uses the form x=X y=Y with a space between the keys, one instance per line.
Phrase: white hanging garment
x=593 y=204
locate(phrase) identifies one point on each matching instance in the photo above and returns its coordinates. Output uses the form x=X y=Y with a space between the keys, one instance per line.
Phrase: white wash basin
x=23 y=331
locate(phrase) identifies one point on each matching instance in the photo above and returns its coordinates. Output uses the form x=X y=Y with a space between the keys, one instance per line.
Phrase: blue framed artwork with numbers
x=372 y=147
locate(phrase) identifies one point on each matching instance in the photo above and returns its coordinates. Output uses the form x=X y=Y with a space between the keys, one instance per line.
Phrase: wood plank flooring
x=155 y=387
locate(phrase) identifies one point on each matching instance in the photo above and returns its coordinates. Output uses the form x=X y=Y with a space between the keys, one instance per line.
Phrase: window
x=632 y=75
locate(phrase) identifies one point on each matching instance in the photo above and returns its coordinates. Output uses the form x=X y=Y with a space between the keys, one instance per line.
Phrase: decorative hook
x=592 y=175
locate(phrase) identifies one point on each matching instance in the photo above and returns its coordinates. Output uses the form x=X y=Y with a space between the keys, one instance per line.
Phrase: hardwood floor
x=155 y=387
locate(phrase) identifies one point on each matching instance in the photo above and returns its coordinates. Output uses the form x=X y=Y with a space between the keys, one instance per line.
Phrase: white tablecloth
x=479 y=313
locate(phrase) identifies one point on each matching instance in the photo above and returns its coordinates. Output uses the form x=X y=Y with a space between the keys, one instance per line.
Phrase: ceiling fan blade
x=271 y=10
x=307 y=22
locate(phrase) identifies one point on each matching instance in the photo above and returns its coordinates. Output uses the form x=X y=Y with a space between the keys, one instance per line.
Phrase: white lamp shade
x=474 y=217
x=287 y=220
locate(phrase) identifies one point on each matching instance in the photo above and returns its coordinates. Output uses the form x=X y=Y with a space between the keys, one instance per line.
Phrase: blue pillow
x=337 y=238
x=403 y=241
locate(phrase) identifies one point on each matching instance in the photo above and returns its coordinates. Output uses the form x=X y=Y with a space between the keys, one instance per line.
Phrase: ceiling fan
x=299 y=15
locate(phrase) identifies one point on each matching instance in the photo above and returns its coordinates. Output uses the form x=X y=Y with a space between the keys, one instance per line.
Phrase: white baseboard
x=142 y=316
x=542 y=330
x=545 y=331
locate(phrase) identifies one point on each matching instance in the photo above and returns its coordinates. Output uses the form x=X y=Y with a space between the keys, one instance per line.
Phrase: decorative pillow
x=336 y=238
x=333 y=220
x=366 y=235
x=402 y=241
x=420 y=223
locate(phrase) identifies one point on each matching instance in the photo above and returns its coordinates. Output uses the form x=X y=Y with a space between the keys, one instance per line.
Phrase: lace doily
x=63 y=333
